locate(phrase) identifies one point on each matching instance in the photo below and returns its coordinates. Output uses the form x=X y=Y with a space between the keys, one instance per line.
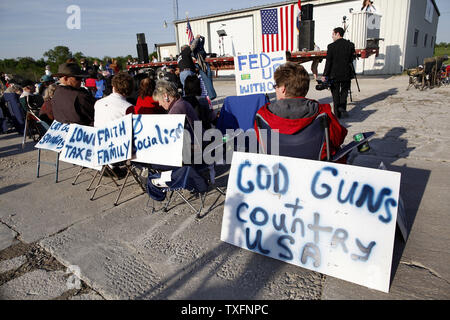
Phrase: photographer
x=339 y=70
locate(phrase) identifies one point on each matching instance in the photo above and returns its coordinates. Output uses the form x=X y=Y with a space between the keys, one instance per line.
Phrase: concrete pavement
x=127 y=252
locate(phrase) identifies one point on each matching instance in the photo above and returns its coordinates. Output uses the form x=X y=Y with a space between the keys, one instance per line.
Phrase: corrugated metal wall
x=393 y=31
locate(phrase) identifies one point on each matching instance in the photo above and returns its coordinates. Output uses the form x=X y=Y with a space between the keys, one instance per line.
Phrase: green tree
x=57 y=56
x=78 y=56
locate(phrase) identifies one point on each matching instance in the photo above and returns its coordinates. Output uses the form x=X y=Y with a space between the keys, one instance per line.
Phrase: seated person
x=29 y=100
x=46 y=112
x=145 y=103
x=193 y=95
x=292 y=111
x=114 y=107
x=10 y=100
x=170 y=74
x=168 y=97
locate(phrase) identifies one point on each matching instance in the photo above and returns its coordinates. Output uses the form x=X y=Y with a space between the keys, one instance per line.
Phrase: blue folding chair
x=16 y=111
x=238 y=112
x=307 y=143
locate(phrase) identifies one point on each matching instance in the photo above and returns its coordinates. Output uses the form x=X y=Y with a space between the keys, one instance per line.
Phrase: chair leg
x=220 y=191
x=168 y=202
x=38 y=162
x=123 y=186
x=76 y=177
x=57 y=167
x=92 y=181
x=99 y=181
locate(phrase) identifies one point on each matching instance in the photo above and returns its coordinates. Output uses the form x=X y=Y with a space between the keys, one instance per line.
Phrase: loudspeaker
x=306 y=35
x=140 y=38
x=142 y=52
x=307 y=12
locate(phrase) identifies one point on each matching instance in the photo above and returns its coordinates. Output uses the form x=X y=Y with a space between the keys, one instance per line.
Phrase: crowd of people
x=90 y=93
x=94 y=95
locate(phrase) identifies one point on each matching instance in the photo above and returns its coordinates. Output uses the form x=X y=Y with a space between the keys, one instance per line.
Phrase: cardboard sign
x=55 y=136
x=158 y=139
x=331 y=218
x=254 y=72
x=79 y=146
x=114 y=141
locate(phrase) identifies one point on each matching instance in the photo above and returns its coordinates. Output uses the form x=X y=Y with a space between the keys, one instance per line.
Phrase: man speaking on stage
x=339 y=70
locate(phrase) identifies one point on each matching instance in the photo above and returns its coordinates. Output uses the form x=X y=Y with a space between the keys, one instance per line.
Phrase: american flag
x=278 y=31
x=299 y=14
x=189 y=32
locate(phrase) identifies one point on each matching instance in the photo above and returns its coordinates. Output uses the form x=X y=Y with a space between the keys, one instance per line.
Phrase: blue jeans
x=184 y=74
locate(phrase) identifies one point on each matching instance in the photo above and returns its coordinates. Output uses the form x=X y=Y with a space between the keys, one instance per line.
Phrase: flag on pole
x=299 y=15
x=189 y=33
x=278 y=32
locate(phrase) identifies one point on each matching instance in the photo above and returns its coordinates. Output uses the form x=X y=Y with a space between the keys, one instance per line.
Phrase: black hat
x=27 y=83
x=70 y=70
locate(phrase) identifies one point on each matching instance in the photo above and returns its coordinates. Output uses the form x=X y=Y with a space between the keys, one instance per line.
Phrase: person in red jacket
x=145 y=103
x=292 y=111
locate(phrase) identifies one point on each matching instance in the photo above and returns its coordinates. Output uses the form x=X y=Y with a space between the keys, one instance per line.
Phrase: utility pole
x=175 y=17
x=175 y=9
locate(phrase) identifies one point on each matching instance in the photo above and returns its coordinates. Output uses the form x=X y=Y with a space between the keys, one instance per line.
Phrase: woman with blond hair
x=46 y=112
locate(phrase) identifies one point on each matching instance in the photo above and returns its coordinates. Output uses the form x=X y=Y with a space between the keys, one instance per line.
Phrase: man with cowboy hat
x=71 y=103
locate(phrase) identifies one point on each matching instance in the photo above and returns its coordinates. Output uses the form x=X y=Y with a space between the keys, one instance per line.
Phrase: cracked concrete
x=126 y=252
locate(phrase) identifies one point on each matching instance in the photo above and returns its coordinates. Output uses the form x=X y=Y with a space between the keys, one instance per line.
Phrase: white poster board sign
x=114 y=141
x=55 y=136
x=158 y=139
x=254 y=72
x=335 y=219
x=79 y=146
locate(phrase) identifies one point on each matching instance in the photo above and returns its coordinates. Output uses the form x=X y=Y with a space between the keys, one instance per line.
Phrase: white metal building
x=165 y=50
x=408 y=28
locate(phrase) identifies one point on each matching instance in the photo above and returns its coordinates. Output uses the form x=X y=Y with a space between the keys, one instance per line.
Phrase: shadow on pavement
x=12 y=187
x=387 y=150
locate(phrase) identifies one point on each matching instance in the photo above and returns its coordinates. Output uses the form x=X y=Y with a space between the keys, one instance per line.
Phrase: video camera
x=322 y=85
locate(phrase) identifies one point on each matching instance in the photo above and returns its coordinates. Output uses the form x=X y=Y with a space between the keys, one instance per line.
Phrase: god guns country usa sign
x=335 y=219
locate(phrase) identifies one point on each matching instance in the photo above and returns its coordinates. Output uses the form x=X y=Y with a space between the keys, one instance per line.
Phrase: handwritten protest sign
x=254 y=72
x=54 y=138
x=158 y=139
x=114 y=141
x=331 y=218
x=79 y=146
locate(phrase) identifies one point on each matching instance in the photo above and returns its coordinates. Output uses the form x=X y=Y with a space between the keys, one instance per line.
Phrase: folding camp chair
x=163 y=182
x=36 y=128
x=238 y=112
x=198 y=180
x=107 y=171
x=308 y=143
x=85 y=170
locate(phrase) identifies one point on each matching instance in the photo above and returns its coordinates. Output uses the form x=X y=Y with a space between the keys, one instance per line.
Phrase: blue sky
x=108 y=28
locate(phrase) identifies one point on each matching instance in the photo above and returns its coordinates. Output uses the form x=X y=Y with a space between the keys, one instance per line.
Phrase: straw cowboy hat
x=70 y=70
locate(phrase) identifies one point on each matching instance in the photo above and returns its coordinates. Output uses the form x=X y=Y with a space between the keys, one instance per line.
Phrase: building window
x=416 y=37
x=425 y=41
x=432 y=42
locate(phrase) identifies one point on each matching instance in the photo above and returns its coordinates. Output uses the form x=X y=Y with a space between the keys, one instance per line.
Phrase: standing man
x=185 y=63
x=71 y=103
x=339 y=70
